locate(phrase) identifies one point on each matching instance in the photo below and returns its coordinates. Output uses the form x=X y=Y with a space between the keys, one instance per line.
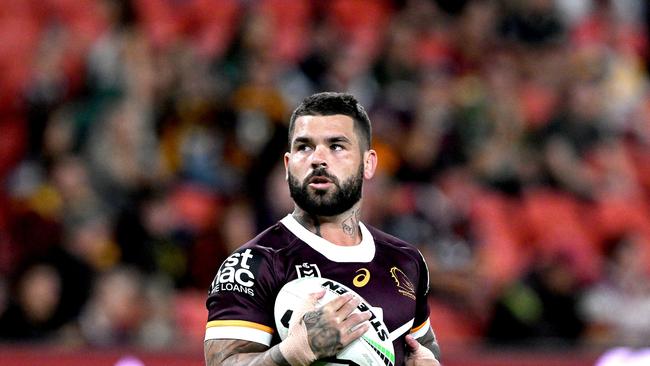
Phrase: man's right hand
x=315 y=333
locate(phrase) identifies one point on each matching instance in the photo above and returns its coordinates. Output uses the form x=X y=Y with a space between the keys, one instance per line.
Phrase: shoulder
x=387 y=241
x=254 y=268
x=269 y=249
x=409 y=263
x=272 y=240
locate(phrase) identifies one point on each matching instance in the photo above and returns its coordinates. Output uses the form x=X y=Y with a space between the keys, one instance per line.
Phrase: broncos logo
x=404 y=285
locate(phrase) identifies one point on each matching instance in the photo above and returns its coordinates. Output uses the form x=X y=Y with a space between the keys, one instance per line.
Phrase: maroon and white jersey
x=388 y=273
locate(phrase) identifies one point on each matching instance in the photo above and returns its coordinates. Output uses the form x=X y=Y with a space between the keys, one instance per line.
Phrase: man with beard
x=329 y=157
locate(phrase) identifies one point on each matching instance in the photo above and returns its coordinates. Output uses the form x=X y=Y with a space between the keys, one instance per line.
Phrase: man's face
x=324 y=166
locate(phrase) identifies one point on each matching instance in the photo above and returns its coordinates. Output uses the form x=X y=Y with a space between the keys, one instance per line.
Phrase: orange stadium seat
x=556 y=222
x=500 y=252
x=190 y=316
x=291 y=22
x=616 y=216
x=160 y=21
x=212 y=25
x=362 y=22
x=452 y=326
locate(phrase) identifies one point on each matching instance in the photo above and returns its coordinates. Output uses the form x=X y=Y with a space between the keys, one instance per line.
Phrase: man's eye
x=302 y=147
x=336 y=147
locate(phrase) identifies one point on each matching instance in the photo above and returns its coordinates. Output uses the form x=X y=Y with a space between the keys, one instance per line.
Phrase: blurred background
x=141 y=141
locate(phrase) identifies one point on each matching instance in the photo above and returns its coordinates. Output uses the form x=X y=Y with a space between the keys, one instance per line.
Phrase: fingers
x=342 y=306
x=336 y=304
x=340 y=314
x=351 y=325
x=348 y=307
x=354 y=326
x=354 y=333
x=412 y=343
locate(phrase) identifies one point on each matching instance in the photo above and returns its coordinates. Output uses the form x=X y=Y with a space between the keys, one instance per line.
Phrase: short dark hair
x=331 y=103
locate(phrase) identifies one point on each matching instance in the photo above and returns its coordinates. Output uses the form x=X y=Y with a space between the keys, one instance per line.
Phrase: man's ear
x=287 y=156
x=369 y=163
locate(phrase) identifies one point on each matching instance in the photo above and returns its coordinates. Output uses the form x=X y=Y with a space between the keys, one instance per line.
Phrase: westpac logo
x=236 y=274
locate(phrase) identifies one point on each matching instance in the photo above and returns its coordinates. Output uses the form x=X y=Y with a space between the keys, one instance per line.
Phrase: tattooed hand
x=334 y=326
x=322 y=332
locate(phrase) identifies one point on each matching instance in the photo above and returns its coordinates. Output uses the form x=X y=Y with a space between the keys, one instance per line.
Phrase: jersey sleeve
x=421 y=322
x=241 y=298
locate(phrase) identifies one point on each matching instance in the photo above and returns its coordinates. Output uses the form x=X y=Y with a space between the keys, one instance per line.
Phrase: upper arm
x=240 y=297
x=224 y=351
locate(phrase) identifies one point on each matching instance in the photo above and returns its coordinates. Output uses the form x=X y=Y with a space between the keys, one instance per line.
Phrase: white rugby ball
x=374 y=348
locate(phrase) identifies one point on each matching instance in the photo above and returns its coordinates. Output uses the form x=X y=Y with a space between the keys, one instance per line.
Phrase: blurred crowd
x=141 y=141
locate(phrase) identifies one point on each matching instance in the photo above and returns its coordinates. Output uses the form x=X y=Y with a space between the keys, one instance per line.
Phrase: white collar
x=362 y=252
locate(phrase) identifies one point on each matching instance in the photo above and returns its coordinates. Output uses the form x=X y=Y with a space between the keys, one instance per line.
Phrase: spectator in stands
x=121 y=311
x=617 y=307
x=32 y=315
x=541 y=309
x=542 y=100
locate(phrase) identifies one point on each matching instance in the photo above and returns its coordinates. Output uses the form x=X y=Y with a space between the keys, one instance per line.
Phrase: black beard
x=327 y=203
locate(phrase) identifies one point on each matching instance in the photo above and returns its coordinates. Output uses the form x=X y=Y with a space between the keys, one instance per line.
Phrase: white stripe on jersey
x=243 y=333
x=422 y=331
x=401 y=330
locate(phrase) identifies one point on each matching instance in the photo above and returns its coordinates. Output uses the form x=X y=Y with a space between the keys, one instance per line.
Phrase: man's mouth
x=319 y=182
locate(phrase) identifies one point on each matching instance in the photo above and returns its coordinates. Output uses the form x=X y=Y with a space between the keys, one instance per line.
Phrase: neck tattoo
x=351 y=224
x=310 y=222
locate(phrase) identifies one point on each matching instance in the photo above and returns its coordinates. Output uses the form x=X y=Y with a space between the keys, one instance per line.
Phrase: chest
x=386 y=283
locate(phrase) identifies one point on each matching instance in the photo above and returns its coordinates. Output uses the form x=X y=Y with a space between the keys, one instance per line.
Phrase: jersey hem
x=241 y=333
x=421 y=330
x=239 y=323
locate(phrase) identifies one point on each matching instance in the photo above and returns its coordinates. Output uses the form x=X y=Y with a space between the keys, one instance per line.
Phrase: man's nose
x=319 y=157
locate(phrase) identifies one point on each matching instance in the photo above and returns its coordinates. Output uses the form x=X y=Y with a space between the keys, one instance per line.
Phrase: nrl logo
x=404 y=285
x=307 y=270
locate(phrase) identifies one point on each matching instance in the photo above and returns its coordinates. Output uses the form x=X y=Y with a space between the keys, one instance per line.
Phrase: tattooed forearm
x=323 y=338
x=278 y=357
x=242 y=353
x=213 y=354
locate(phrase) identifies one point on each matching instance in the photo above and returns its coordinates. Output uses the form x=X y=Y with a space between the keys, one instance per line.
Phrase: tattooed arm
x=327 y=330
x=237 y=352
